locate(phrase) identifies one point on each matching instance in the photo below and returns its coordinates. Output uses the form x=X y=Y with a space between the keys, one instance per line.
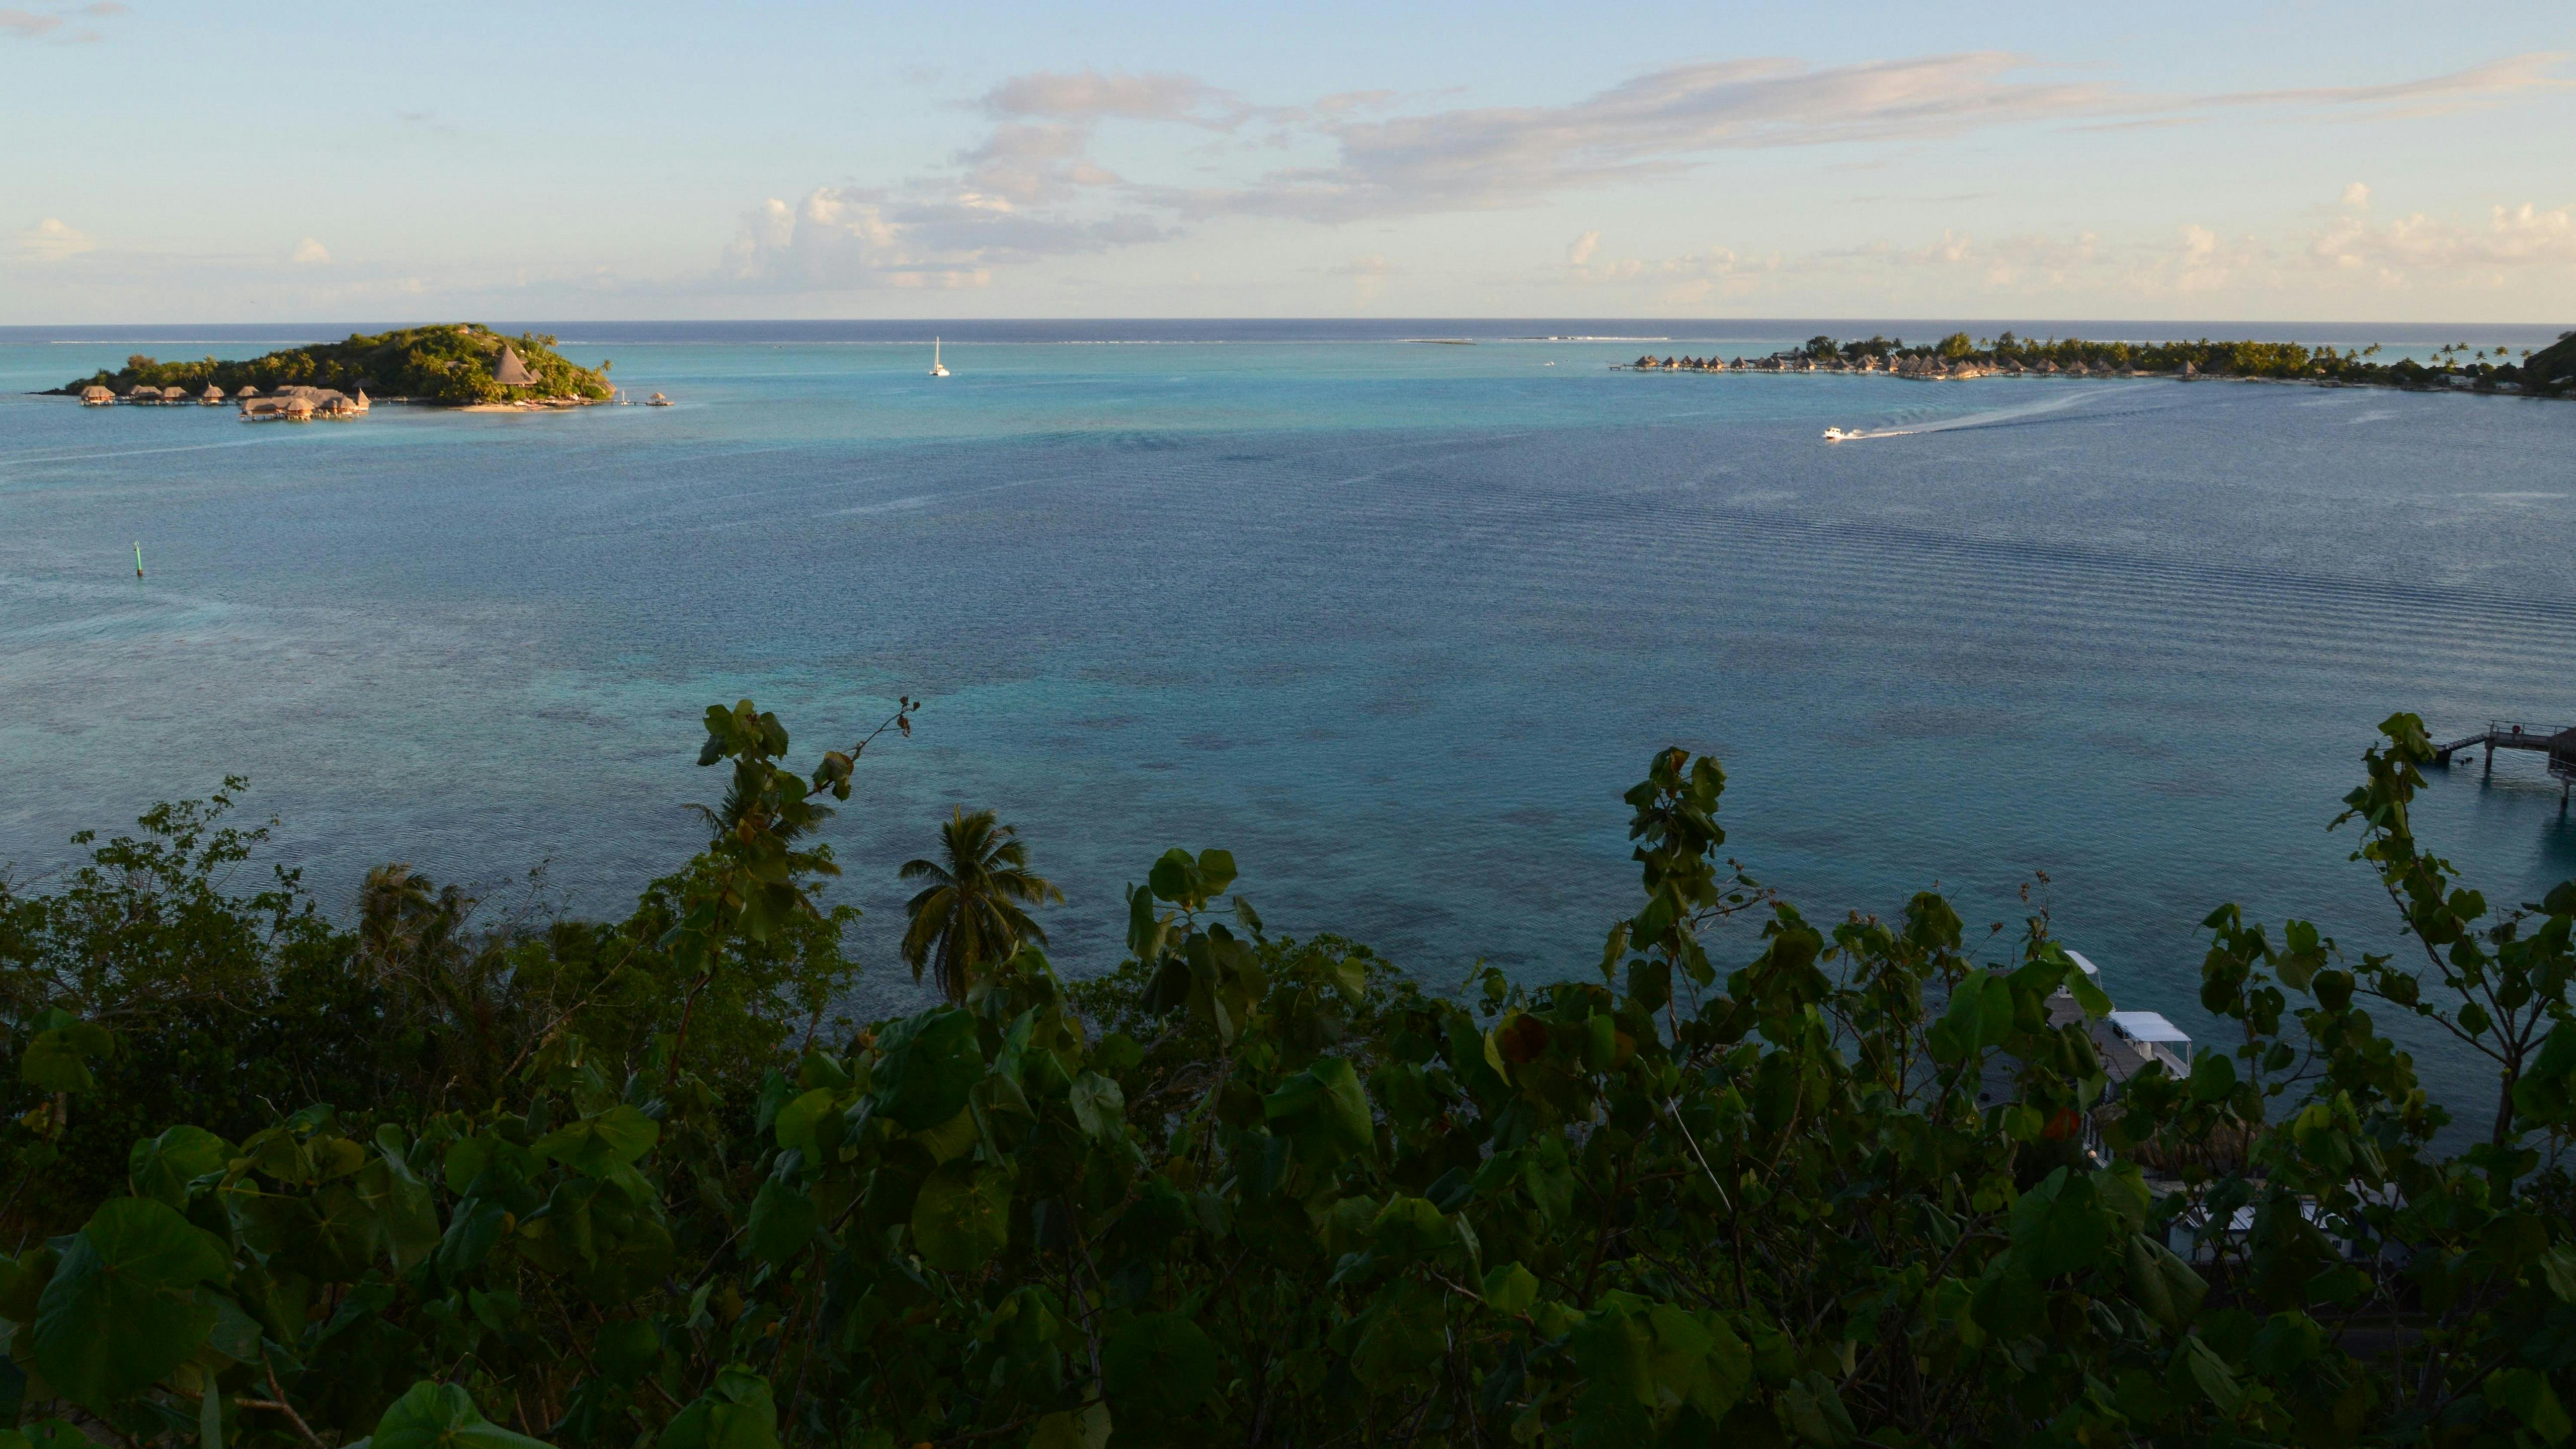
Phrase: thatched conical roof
x=247 y=391
x=510 y=371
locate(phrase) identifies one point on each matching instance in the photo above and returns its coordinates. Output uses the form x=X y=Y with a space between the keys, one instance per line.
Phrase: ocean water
x=1395 y=622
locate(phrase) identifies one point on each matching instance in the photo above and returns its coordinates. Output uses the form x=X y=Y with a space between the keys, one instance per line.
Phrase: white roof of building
x=2146 y=1026
x=2091 y=972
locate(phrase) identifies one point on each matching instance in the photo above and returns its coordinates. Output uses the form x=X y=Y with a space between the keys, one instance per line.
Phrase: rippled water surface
x=1396 y=623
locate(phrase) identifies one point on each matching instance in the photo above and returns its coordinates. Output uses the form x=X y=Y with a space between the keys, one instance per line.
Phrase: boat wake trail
x=1993 y=418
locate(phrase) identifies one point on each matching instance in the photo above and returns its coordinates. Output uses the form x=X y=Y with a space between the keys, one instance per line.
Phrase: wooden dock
x=2558 y=742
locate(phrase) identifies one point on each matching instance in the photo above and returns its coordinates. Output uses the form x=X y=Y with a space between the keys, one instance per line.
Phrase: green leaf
x=1087 y=1428
x=1216 y=872
x=962 y=1216
x=2213 y=1076
x=799 y=1120
x=1408 y=1228
x=2558 y=1269
x=1157 y=1369
x=162 y=1167
x=931 y=1062
x=121 y=1310
x=598 y=1146
x=433 y=1415
x=58 y=1059
x=783 y=1221
x=1548 y=1175
x=2095 y=1001
x=2212 y=1374
x=1099 y=1107
x=2533 y=1401
x=738 y=1413
x=1324 y=1111
x=1511 y=1288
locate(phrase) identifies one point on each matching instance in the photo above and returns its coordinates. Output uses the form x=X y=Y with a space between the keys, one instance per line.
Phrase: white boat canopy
x=2147 y=1028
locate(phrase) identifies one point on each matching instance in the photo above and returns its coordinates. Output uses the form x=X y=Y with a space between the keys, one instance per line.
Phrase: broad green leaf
x=1408 y=1228
x=1087 y=1428
x=931 y=1062
x=1157 y=1369
x=2213 y=1375
x=2095 y=1001
x=1099 y=1107
x=2528 y=1395
x=2213 y=1076
x=951 y=1139
x=162 y=1167
x=783 y=1220
x=1511 y=1288
x=1548 y=1176
x=798 y=1120
x=121 y=1310
x=2558 y=1269
x=598 y=1146
x=57 y=1060
x=737 y=1413
x=433 y=1415
x=962 y=1216
x=1325 y=1111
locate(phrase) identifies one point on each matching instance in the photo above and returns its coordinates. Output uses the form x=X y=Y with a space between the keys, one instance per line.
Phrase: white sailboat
x=936 y=368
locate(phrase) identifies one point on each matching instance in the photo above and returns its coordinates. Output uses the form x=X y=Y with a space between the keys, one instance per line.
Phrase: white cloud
x=2421 y=247
x=310 y=253
x=1368 y=276
x=850 y=238
x=1091 y=96
x=1033 y=188
x=51 y=241
x=2357 y=196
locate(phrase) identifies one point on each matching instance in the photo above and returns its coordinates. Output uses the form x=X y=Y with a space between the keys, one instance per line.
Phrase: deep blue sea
x=1396 y=622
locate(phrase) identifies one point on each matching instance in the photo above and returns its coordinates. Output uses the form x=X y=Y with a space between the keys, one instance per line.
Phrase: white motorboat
x=936 y=368
x=1836 y=435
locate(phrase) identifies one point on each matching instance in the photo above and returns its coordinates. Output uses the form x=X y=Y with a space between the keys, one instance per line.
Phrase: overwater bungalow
x=213 y=396
x=95 y=396
x=246 y=391
x=298 y=410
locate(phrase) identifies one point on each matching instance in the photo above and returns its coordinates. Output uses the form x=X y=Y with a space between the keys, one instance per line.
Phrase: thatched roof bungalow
x=510 y=371
x=247 y=391
x=95 y=396
x=298 y=410
x=213 y=396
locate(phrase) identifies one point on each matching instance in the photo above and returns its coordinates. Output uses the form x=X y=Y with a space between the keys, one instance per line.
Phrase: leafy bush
x=1247 y=1189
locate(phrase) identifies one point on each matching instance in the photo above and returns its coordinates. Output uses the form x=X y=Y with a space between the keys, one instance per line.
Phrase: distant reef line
x=2548 y=372
x=457 y=364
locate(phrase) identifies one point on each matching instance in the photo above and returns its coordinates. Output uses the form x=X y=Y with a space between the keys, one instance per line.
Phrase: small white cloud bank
x=51 y=241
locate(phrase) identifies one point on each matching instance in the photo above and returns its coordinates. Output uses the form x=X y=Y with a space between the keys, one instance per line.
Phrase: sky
x=2348 y=161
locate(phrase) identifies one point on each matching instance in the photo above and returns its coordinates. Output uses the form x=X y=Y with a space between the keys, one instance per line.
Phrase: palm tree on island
x=968 y=919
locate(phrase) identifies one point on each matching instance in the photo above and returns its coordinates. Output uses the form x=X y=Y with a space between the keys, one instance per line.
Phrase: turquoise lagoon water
x=1396 y=623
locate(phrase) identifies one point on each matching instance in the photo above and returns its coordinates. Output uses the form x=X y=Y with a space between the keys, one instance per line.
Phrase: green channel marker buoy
x=138 y=558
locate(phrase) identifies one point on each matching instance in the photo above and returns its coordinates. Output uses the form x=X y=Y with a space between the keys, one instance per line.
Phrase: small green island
x=458 y=365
